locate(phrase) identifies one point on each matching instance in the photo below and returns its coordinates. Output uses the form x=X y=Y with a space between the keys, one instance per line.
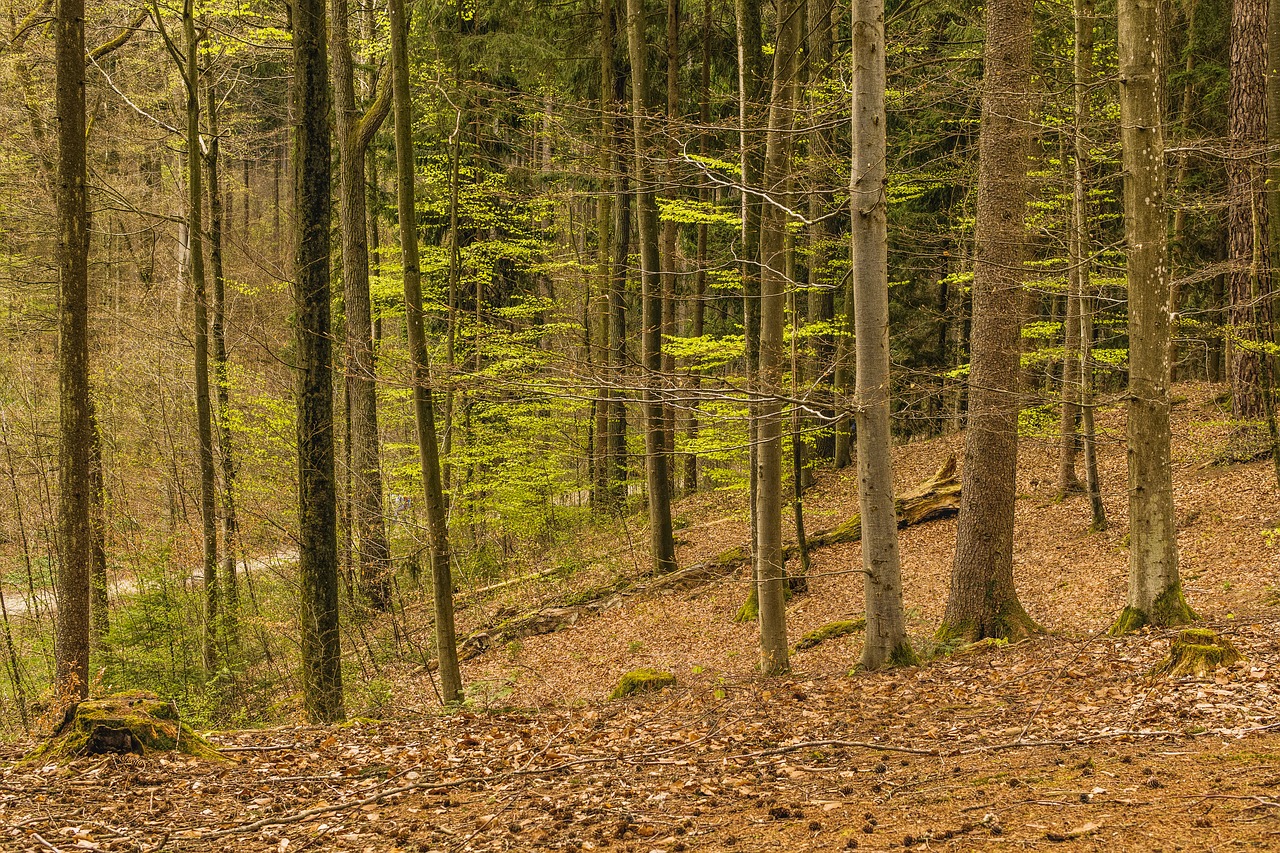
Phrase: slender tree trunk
x=669 y=233
x=1069 y=422
x=1155 y=591
x=697 y=320
x=886 y=637
x=229 y=589
x=822 y=303
x=618 y=315
x=1082 y=254
x=100 y=621
x=983 y=601
x=603 y=404
x=200 y=303
x=769 y=409
x=1247 y=211
x=1273 y=130
x=656 y=450
x=424 y=408
x=355 y=132
x=317 y=497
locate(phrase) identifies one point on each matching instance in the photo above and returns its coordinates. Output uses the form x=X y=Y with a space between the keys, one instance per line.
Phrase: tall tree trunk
x=886 y=637
x=1155 y=592
x=983 y=601
x=697 y=319
x=601 y=497
x=229 y=628
x=200 y=303
x=822 y=302
x=769 y=408
x=1247 y=212
x=1081 y=255
x=1273 y=130
x=355 y=132
x=424 y=408
x=656 y=450
x=669 y=234
x=100 y=621
x=317 y=499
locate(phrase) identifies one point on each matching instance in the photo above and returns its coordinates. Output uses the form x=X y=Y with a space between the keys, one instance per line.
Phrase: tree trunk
x=669 y=233
x=1155 y=592
x=321 y=644
x=983 y=601
x=200 y=303
x=355 y=131
x=424 y=409
x=656 y=450
x=822 y=303
x=602 y=497
x=886 y=639
x=100 y=621
x=769 y=408
x=1247 y=211
x=1081 y=255
x=229 y=629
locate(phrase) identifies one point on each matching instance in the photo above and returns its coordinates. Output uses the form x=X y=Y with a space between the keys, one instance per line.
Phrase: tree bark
x=983 y=601
x=1247 y=211
x=424 y=408
x=200 y=303
x=886 y=639
x=355 y=132
x=769 y=407
x=317 y=499
x=1155 y=592
x=656 y=450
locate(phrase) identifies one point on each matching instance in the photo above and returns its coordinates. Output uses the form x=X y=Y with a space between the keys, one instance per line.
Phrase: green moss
x=1198 y=652
x=904 y=655
x=830 y=631
x=1170 y=608
x=642 y=681
x=134 y=721
x=750 y=609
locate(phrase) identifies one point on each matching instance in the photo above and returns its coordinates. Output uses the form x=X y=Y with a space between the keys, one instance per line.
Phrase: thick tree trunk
x=656 y=449
x=983 y=601
x=424 y=409
x=769 y=408
x=355 y=131
x=1247 y=199
x=886 y=641
x=1155 y=592
x=321 y=644
x=200 y=302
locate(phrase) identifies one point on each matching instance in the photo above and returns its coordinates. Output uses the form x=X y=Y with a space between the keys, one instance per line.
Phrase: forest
x=655 y=426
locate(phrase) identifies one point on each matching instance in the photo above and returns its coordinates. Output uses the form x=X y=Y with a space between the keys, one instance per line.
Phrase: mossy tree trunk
x=1155 y=592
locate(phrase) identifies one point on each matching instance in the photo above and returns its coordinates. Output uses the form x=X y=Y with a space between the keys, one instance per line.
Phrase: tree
x=983 y=601
x=71 y=643
x=1248 y=212
x=886 y=635
x=769 y=408
x=355 y=132
x=656 y=451
x=1155 y=590
x=317 y=494
x=424 y=407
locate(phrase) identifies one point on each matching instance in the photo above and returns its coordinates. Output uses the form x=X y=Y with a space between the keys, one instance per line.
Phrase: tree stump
x=1198 y=652
x=134 y=722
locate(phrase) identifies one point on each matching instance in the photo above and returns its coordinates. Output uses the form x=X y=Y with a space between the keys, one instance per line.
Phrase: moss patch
x=1169 y=609
x=829 y=632
x=134 y=721
x=1198 y=652
x=642 y=681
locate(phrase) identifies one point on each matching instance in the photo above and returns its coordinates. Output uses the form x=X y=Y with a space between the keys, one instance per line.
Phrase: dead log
x=937 y=497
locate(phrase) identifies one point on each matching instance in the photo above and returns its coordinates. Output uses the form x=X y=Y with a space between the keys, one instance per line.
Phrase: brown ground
x=1059 y=741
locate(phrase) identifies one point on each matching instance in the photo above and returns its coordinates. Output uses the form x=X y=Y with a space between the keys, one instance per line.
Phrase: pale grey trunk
x=886 y=637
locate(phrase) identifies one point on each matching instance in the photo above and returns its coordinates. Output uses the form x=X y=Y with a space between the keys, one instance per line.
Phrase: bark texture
x=1155 y=593
x=983 y=601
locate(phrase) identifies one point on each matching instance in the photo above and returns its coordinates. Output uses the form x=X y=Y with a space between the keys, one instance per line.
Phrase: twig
x=46 y=844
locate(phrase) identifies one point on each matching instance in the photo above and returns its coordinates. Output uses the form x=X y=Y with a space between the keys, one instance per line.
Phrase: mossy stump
x=829 y=632
x=1198 y=652
x=134 y=722
x=642 y=681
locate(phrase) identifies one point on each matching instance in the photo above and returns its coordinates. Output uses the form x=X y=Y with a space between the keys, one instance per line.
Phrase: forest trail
x=1065 y=741
x=19 y=602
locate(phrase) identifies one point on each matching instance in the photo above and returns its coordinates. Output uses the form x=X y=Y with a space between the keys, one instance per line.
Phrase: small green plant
x=642 y=681
x=634 y=647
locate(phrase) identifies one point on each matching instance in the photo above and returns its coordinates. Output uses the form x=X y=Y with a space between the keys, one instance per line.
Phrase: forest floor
x=1064 y=740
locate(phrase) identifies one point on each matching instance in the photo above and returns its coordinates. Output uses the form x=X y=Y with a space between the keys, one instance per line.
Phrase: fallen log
x=937 y=497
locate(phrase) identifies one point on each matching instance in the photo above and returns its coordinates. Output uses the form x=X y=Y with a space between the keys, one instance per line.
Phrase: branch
x=369 y=123
x=119 y=41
